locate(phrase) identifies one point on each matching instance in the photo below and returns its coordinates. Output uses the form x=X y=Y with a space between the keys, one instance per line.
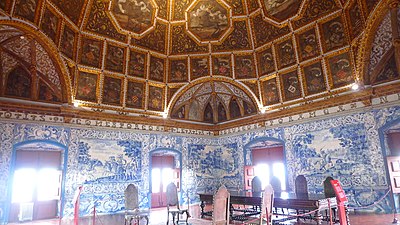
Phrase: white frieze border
x=384 y=101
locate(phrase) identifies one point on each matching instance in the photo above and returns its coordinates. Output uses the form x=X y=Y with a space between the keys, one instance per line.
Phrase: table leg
x=318 y=217
x=202 y=208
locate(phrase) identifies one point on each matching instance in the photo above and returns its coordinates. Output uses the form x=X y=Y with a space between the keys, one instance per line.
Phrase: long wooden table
x=307 y=202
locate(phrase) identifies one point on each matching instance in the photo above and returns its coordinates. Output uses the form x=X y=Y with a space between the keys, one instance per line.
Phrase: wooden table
x=308 y=202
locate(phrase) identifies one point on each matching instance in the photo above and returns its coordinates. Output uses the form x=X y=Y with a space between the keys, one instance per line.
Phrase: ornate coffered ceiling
x=199 y=61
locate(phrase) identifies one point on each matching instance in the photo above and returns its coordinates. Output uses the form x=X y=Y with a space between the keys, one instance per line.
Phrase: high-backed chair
x=256 y=185
x=300 y=185
x=267 y=203
x=221 y=204
x=173 y=207
x=328 y=189
x=329 y=193
x=132 y=210
x=276 y=184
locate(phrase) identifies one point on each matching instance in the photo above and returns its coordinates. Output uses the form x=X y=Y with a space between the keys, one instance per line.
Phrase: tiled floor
x=159 y=217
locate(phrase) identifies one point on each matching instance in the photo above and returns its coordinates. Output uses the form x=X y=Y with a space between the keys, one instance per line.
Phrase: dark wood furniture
x=309 y=202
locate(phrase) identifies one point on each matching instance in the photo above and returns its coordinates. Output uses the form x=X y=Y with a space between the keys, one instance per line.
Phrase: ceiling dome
x=155 y=57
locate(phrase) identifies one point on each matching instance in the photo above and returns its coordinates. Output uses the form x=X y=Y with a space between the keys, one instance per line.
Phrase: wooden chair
x=267 y=203
x=256 y=185
x=132 y=210
x=329 y=193
x=301 y=189
x=221 y=205
x=173 y=204
x=300 y=185
x=328 y=189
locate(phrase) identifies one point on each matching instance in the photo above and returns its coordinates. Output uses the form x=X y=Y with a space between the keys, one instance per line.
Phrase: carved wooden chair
x=132 y=210
x=301 y=188
x=267 y=203
x=221 y=207
x=173 y=207
x=300 y=185
x=256 y=185
x=329 y=193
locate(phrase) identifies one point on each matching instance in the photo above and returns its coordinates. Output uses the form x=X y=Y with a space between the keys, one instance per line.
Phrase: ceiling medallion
x=281 y=10
x=136 y=17
x=208 y=21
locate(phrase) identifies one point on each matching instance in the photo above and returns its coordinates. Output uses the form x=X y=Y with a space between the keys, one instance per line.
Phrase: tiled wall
x=104 y=161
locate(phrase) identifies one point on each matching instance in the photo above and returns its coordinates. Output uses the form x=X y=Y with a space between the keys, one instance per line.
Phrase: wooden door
x=162 y=168
x=393 y=163
x=43 y=183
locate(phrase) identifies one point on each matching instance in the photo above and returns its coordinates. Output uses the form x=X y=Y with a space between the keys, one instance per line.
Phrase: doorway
x=165 y=168
x=36 y=183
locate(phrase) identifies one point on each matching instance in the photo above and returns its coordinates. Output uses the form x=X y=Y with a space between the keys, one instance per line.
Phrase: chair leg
x=167 y=218
x=147 y=220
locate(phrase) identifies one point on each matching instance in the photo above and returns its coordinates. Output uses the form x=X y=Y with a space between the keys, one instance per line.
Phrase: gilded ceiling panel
x=71 y=8
x=136 y=90
x=115 y=58
x=280 y=10
x=155 y=98
x=208 y=20
x=264 y=32
x=314 y=78
x=182 y=43
x=179 y=71
x=112 y=90
x=26 y=9
x=314 y=10
x=91 y=52
x=171 y=91
x=333 y=34
x=68 y=42
x=157 y=69
x=199 y=67
x=133 y=16
x=50 y=24
x=87 y=86
x=99 y=22
x=291 y=86
x=155 y=40
x=370 y=4
x=137 y=64
x=238 y=39
x=340 y=68
x=222 y=65
x=253 y=86
x=270 y=91
x=286 y=55
x=244 y=66
x=265 y=61
x=307 y=44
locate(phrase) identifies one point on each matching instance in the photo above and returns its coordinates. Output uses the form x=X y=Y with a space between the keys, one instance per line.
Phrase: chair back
x=256 y=185
x=172 y=195
x=267 y=204
x=131 y=197
x=221 y=202
x=276 y=184
x=328 y=189
x=301 y=185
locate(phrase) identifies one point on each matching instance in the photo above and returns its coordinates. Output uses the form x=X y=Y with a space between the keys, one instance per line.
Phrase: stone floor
x=159 y=217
